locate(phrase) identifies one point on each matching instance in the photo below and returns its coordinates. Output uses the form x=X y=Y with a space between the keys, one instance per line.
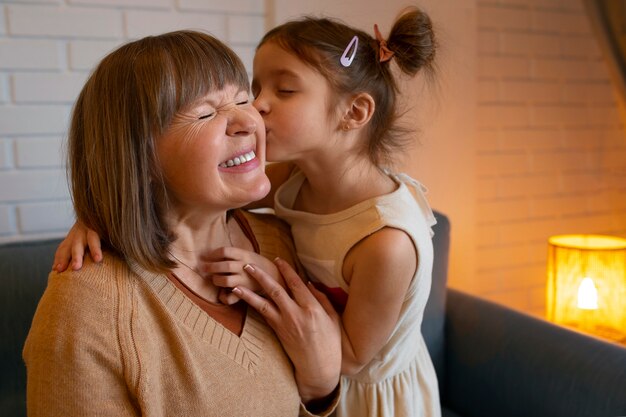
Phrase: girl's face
x=213 y=153
x=293 y=99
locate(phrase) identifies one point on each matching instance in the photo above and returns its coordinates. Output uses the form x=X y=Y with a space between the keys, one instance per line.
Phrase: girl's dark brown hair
x=320 y=42
x=125 y=106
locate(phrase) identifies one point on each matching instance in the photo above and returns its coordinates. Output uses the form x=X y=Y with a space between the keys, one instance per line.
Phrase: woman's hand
x=225 y=268
x=71 y=250
x=306 y=324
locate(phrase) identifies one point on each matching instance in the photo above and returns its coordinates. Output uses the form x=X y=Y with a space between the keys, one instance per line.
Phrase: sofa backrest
x=24 y=269
x=434 y=315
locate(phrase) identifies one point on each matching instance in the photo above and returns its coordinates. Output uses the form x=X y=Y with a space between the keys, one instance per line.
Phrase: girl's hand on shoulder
x=225 y=267
x=71 y=251
x=306 y=325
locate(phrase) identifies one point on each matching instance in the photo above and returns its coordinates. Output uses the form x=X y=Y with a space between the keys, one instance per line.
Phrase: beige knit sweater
x=116 y=340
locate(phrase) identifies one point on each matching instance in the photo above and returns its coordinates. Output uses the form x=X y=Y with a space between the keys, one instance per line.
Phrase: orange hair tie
x=384 y=53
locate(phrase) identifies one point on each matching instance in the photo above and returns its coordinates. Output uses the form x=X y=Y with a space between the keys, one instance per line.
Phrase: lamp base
x=604 y=332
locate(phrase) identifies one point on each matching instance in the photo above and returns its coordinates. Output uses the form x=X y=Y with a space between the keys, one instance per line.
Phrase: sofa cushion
x=502 y=362
x=25 y=267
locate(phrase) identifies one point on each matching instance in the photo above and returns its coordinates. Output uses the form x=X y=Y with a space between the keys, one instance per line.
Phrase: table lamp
x=586 y=287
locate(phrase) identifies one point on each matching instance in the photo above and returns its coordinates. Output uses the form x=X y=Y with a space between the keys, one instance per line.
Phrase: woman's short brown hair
x=124 y=107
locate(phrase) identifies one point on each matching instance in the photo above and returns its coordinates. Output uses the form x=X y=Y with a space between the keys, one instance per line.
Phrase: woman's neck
x=197 y=236
x=200 y=233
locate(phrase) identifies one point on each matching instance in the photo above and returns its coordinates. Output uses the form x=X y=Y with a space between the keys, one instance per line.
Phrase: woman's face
x=212 y=155
x=293 y=99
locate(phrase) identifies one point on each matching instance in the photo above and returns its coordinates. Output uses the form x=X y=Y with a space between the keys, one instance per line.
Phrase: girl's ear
x=360 y=111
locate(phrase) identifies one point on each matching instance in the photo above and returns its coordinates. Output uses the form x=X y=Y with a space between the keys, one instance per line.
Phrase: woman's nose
x=240 y=123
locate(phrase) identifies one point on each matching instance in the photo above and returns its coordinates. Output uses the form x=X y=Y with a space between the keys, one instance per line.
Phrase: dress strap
x=419 y=192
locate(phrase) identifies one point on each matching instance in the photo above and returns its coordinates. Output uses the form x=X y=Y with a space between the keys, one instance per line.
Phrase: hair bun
x=413 y=41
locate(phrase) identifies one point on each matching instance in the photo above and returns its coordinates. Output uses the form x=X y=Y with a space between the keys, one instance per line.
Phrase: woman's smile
x=241 y=159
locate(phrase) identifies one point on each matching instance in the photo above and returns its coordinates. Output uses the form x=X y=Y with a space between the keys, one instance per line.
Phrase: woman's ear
x=359 y=112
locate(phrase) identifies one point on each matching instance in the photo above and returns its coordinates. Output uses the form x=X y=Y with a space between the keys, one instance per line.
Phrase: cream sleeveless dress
x=400 y=381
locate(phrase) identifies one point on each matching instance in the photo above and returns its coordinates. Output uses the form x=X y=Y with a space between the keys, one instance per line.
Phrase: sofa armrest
x=500 y=362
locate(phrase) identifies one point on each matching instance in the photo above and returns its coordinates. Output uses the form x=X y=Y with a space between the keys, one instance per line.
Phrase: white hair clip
x=345 y=60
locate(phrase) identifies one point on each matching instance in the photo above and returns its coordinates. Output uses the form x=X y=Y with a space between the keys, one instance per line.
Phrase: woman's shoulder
x=76 y=333
x=93 y=279
x=77 y=305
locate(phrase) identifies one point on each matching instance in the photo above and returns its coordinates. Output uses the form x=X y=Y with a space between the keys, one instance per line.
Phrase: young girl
x=327 y=94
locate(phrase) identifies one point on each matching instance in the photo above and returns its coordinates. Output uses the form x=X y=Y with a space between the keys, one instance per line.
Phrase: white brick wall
x=551 y=150
x=142 y=23
x=64 y=22
x=4 y=154
x=52 y=87
x=550 y=153
x=234 y=6
x=7 y=224
x=47 y=49
x=33 y=119
x=41 y=152
x=28 y=54
x=83 y=55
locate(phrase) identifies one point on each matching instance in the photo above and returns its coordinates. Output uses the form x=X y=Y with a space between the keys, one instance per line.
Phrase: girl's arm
x=379 y=270
x=278 y=173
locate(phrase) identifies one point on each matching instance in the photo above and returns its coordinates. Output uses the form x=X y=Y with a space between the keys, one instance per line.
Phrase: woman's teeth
x=238 y=160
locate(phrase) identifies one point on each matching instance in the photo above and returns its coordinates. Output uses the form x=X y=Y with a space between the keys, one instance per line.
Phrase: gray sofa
x=491 y=361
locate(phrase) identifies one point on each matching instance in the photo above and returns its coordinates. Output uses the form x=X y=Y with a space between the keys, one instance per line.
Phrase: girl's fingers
x=226 y=281
x=61 y=258
x=95 y=248
x=222 y=267
x=78 y=252
x=71 y=250
x=225 y=252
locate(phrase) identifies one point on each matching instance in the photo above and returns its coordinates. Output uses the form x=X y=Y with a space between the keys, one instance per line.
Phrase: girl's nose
x=261 y=105
x=240 y=123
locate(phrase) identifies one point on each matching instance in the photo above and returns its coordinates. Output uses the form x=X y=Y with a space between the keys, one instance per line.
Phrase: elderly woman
x=164 y=146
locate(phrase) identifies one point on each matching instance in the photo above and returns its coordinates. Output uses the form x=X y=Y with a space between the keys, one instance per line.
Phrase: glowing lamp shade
x=586 y=285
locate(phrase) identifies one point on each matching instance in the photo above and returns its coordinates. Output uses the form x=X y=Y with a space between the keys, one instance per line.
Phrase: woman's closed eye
x=207 y=116
x=212 y=113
